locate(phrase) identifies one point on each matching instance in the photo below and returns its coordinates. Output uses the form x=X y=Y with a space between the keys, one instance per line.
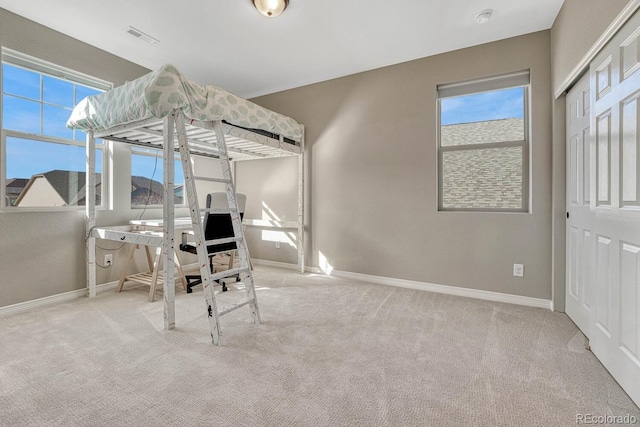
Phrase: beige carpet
x=332 y=352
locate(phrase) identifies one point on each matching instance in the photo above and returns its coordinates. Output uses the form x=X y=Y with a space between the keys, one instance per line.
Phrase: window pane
x=54 y=122
x=147 y=179
x=83 y=91
x=496 y=116
x=21 y=82
x=79 y=135
x=56 y=91
x=56 y=172
x=45 y=172
x=482 y=178
x=20 y=114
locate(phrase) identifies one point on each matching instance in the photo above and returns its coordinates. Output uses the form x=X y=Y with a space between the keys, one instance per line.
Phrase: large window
x=483 y=144
x=43 y=162
x=147 y=178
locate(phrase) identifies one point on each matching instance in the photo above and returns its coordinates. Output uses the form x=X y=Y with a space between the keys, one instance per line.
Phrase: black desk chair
x=217 y=225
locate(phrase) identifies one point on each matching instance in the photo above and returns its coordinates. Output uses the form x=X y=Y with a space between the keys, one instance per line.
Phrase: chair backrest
x=217 y=225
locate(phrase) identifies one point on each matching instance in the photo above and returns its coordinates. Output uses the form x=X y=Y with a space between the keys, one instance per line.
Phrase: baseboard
x=389 y=281
x=53 y=299
x=285 y=265
x=423 y=286
x=449 y=290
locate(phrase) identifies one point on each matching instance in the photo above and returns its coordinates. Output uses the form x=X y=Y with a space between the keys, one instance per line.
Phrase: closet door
x=615 y=206
x=579 y=272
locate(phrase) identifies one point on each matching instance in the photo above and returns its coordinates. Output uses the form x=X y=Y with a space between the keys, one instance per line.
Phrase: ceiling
x=229 y=44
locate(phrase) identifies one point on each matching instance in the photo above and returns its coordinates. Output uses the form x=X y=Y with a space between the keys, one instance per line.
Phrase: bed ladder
x=219 y=148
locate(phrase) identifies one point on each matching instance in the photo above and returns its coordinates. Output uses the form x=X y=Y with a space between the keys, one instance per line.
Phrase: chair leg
x=192 y=281
x=220 y=281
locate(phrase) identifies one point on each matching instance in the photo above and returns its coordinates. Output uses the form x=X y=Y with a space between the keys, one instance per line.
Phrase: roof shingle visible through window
x=484 y=177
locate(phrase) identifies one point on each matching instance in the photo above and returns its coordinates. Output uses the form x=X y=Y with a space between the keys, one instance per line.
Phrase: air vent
x=140 y=35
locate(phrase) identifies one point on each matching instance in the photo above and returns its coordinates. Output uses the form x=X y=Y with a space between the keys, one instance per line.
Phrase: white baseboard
x=285 y=265
x=53 y=299
x=389 y=281
x=449 y=290
x=422 y=286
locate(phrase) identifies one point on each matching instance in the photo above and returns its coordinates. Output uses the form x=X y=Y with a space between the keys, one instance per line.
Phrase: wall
x=271 y=188
x=576 y=28
x=370 y=165
x=42 y=253
x=371 y=175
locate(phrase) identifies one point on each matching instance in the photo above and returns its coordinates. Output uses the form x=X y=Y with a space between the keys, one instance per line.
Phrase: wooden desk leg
x=149 y=258
x=179 y=267
x=154 y=276
x=232 y=257
x=123 y=278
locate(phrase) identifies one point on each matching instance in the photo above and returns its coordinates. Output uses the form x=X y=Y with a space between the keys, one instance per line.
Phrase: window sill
x=45 y=209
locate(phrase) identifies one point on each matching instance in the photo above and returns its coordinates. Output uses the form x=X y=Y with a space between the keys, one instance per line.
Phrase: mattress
x=158 y=93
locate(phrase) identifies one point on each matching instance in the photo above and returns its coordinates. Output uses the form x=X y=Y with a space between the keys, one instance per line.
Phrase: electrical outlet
x=108 y=260
x=518 y=270
x=277 y=245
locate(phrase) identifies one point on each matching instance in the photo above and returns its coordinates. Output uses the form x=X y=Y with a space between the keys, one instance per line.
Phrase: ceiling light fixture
x=484 y=16
x=271 y=8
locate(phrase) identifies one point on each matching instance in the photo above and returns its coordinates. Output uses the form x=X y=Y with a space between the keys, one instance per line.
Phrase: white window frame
x=142 y=151
x=30 y=63
x=489 y=84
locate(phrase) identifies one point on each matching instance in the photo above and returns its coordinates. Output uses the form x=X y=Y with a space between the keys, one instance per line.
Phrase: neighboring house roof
x=68 y=184
x=482 y=132
x=482 y=178
x=15 y=186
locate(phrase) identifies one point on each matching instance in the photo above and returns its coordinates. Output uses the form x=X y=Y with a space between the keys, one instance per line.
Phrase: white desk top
x=178 y=223
x=185 y=223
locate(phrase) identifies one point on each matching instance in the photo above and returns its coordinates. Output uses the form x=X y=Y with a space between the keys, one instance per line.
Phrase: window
x=43 y=162
x=147 y=178
x=483 y=144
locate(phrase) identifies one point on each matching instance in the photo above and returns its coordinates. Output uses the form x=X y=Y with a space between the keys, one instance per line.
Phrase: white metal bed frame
x=242 y=144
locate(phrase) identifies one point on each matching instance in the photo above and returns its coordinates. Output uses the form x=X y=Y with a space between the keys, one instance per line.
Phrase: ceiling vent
x=140 y=35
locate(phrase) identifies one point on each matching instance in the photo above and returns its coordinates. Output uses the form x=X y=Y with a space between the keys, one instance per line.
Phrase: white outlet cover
x=518 y=270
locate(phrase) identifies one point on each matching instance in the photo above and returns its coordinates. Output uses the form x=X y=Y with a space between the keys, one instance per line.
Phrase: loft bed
x=145 y=112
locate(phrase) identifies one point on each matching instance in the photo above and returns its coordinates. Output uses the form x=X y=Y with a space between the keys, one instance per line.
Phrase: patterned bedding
x=159 y=92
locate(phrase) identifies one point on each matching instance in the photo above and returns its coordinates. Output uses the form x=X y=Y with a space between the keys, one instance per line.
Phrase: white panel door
x=615 y=206
x=579 y=276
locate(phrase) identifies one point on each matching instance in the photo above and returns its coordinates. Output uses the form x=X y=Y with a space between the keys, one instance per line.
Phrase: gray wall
x=576 y=28
x=578 y=25
x=42 y=253
x=371 y=175
x=271 y=188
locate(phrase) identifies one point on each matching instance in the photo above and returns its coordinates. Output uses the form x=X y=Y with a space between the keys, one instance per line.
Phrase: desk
x=150 y=278
x=149 y=233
